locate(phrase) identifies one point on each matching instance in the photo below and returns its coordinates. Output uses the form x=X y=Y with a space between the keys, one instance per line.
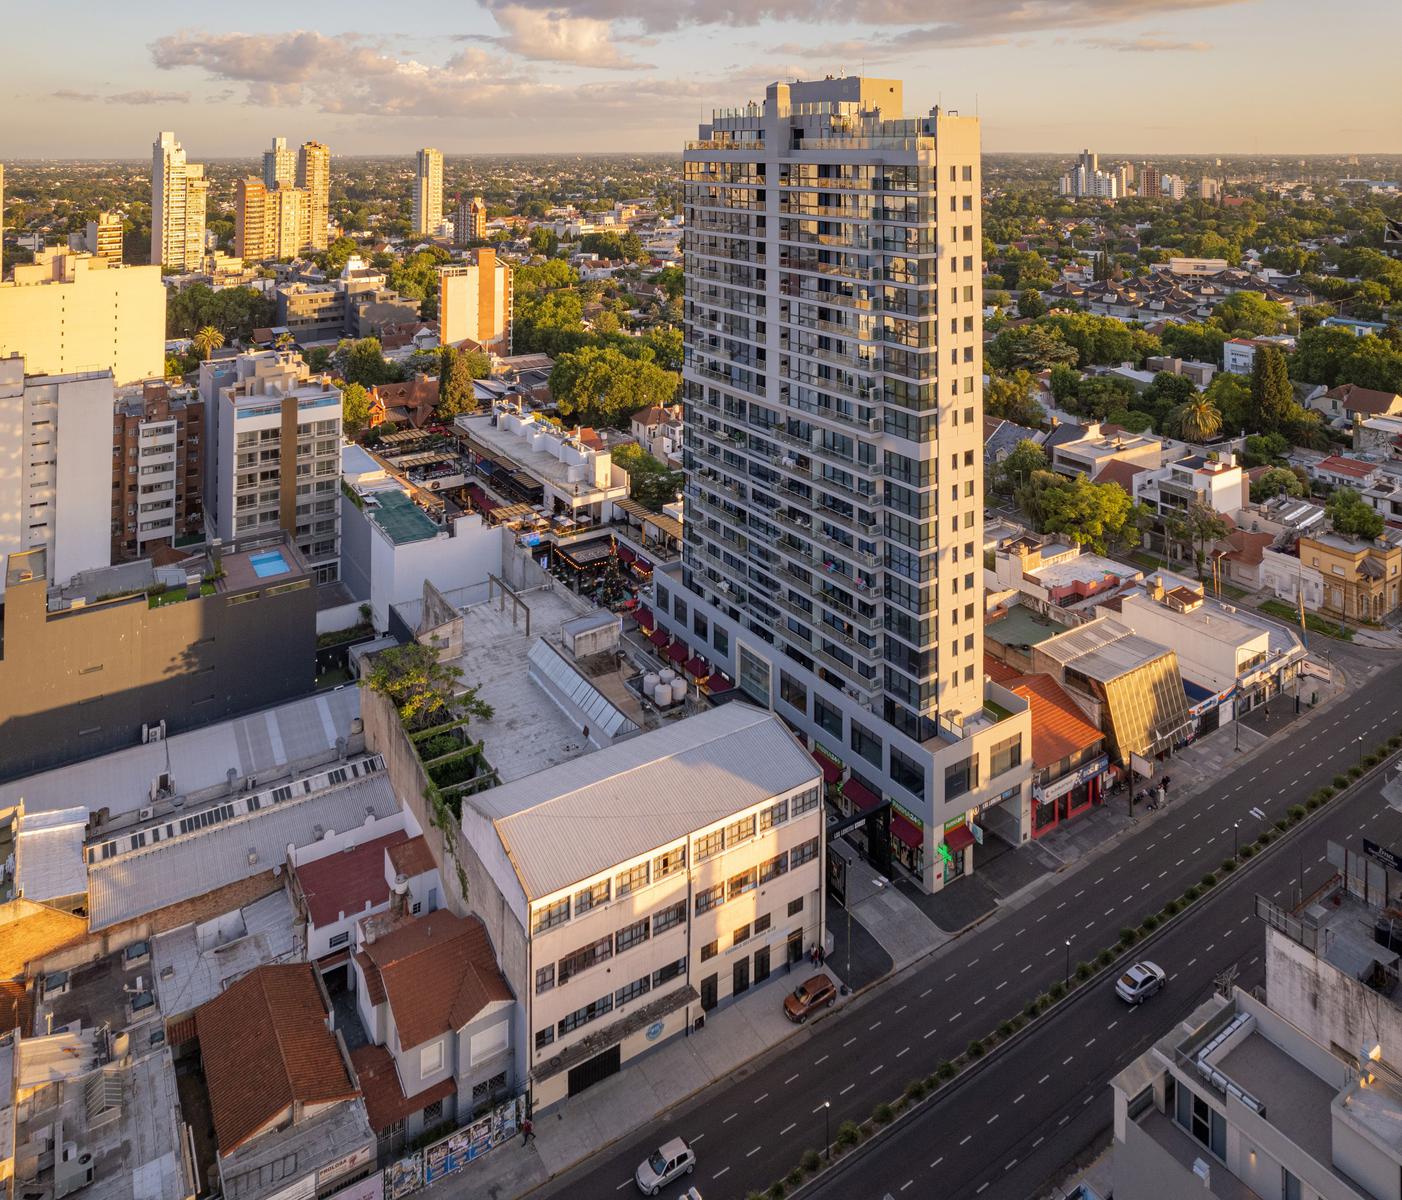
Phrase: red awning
x=904 y=831
x=625 y=553
x=862 y=797
x=658 y=637
x=831 y=771
x=959 y=837
x=644 y=617
x=719 y=682
x=698 y=667
x=678 y=651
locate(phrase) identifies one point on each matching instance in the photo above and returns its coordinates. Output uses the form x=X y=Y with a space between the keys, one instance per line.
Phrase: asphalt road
x=751 y=1128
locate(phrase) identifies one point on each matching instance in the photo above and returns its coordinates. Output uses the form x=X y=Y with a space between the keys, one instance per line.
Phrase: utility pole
x=1068 y=962
x=827 y=1129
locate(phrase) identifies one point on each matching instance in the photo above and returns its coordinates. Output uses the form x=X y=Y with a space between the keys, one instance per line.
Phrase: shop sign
x=1072 y=779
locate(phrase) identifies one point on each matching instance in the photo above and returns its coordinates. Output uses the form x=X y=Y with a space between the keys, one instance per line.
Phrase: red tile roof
x=1338 y=465
x=385 y=1101
x=1059 y=727
x=265 y=1044
x=999 y=671
x=412 y=857
x=1248 y=547
x=438 y=972
x=346 y=881
x=1370 y=401
x=1123 y=473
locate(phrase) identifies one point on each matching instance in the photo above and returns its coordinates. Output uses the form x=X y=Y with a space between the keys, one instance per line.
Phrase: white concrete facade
x=56 y=484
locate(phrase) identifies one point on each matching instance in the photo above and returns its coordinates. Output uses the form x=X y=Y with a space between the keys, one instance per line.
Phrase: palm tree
x=284 y=341
x=207 y=340
x=1199 y=419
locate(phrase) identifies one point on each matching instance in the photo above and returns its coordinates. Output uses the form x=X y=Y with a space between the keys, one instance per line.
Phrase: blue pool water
x=270 y=562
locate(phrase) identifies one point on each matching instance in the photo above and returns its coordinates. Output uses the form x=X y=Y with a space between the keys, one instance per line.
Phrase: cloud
x=1145 y=43
x=550 y=35
x=947 y=22
x=141 y=96
x=148 y=96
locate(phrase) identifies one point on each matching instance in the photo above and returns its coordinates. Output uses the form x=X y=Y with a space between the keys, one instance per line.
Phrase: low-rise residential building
x=1379 y=435
x=158 y=455
x=1360 y=577
x=1239 y=1101
x=1354 y=403
x=430 y=996
x=659 y=432
x=1054 y=574
x=1214 y=481
x=692 y=866
x=1239 y=354
x=284 y=1103
x=1090 y=453
x=1337 y=470
x=1200 y=373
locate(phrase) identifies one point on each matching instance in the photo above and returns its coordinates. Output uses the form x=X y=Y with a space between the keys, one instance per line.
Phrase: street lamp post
x=827 y=1130
x=1068 y=962
x=1235 y=826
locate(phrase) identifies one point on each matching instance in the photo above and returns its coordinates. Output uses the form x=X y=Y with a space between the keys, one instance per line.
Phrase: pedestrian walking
x=527 y=1132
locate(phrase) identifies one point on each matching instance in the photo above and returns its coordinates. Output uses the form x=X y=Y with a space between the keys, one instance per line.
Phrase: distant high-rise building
x=1090 y=161
x=69 y=312
x=270 y=222
x=103 y=238
x=1148 y=180
x=474 y=302
x=178 y=192
x=832 y=562
x=428 y=192
x=279 y=164
x=59 y=426
x=470 y=220
x=1209 y=189
x=1173 y=186
x=314 y=178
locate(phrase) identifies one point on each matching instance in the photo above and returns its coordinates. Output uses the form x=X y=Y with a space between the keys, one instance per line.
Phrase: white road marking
x=755 y=1151
x=821 y=1061
x=1067 y=1059
x=847 y=1089
x=900 y=1010
x=1021 y=1098
x=790 y=1079
x=730 y=1118
x=1043 y=1079
x=872 y=1027
x=848 y=1042
x=926 y=992
x=905 y=1051
x=878 y=1067
x=714 y=1177
x=760 y=1099
x=969 y=1137
x=991 y=1119
x=787 y=1128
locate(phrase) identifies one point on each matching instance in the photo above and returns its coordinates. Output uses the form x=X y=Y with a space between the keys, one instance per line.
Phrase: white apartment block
x=178 y=193
x=69 y=313
x=277 y=453
x=279 y=164
x=428 y=192
x=1237 y=1101
x=1212 y=480
x=633 y=890
x=834 y=458
x=56 y=486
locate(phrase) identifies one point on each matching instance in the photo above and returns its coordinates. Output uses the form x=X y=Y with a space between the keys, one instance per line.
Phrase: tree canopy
x=1011 y=398
x=600 y=385
x=650 y=482
x=1090 y=514
x=1352 y=515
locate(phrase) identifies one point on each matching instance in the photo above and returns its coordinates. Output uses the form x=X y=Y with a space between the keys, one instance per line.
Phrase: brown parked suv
x=817 y=992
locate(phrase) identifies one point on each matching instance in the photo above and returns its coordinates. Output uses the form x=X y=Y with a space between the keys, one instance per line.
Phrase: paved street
x=752 y=1127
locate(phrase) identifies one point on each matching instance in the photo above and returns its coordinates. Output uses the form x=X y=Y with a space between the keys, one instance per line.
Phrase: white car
x=669 y=1161
x=1141 y=981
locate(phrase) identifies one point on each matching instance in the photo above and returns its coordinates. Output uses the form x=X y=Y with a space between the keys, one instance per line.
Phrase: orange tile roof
x=385 y=1101
x=265 y=1043
x=345 y=882
x=439 y=971
x=1059 y=727
x=999 y=671
x=412 y=857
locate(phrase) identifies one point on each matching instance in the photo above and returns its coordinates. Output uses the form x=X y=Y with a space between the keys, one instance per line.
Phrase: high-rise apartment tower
x=279 y=165
x=178 y=191
x=428 y=192
x=314 y=178
x=833 y=552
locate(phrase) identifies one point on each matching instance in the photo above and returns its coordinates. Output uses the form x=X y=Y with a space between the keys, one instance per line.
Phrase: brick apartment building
x=157 y=480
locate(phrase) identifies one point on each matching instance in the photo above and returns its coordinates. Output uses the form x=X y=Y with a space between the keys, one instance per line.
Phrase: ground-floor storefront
x=1069 y=796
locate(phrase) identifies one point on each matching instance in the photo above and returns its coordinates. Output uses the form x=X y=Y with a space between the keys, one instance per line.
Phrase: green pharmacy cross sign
x=945 y=856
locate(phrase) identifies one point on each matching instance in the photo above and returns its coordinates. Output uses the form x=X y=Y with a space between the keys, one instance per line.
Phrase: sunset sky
x=1147 y=76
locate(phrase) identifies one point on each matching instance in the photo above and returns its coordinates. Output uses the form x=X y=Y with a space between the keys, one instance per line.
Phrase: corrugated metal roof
x=49 y=862
x=601 y=712
x=572 y=821
x=171 y=871
x=1083 y=639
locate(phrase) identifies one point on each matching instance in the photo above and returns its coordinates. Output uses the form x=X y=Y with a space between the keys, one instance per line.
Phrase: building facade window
x=740 y=935
x=739 y=831
x=961 y=777
x=632 y=880
x=795 y=907
x=710 y=844
x=804 y=852
x=827 y=717
x=762 y=923
x=633 y=935
x=544 y=1037
x=712 y=897
x=582 y=1016
x=775 y=814
x=738 y=885
x=631 y=991
x=591 y=897
x=1004 y=755
x=584 y=958
x=551 y=915
x=544 y=978
x=708 y=951
x=669 y=917
x=669 y=862
x=806 y=801
x=774 y=867
x=792 y=692
x=867 y=744
x=669 y=972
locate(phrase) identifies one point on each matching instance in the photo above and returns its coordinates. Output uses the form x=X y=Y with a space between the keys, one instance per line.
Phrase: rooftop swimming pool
x=270 y=562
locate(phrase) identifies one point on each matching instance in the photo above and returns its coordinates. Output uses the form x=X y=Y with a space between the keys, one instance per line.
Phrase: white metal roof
x=574 y=820
x=181 y=868
x=49 y=861
x=262 y=742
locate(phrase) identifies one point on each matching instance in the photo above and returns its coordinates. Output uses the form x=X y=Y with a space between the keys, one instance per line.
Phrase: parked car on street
x=1142 y=980
x=669 y=1161
x=818 y=991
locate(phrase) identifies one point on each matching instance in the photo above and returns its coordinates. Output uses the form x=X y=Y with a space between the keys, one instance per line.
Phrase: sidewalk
x=623 y=1104
x=888 y=913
